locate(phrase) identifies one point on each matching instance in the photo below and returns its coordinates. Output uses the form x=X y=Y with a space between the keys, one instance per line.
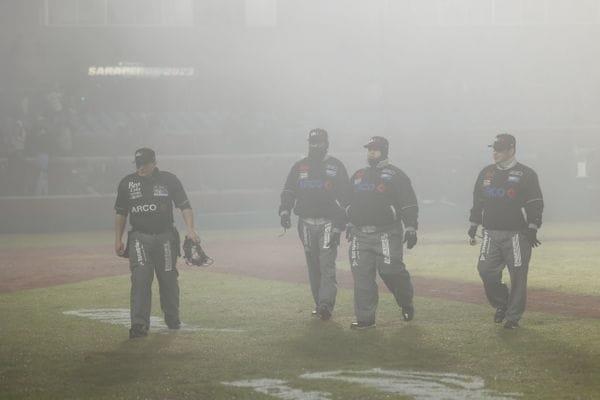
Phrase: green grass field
x=47 y=354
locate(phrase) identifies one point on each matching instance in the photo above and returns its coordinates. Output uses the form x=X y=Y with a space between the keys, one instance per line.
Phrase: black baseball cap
x=318 y=136
x=504 y=142
x=378 y=143
x=144 y=156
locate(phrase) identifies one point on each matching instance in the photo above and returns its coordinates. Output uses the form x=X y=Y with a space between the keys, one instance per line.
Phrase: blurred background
x=226 y=91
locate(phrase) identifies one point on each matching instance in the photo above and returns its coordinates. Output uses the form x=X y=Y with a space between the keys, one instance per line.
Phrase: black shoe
x=137 y=331
x=499 y=315
x=511 y=325
x=362 y=325
x=324 y=313
x=173 y=323
x=408 y=312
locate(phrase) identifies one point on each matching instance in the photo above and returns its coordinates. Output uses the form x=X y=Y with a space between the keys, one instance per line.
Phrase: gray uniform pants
x=378 y=251
x=315 y=234
x=500 y=249
x=149 y=254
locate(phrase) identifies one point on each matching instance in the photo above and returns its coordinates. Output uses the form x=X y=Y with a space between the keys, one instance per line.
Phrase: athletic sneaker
x=137 y=331
x=314 y=313
x=499 y=315
x=362 y=325
x=324 y=313
x=511 y=325
x=408 y=312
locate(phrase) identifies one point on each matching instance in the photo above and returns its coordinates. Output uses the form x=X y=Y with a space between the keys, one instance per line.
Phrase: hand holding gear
x=194 y=255
x=286 y=220
x=472 y=232
x=531 y=234
x=410 y=238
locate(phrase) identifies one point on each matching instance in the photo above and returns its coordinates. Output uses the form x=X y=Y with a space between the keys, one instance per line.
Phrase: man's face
x=503 y=155
x=373 y=154
x=146 y=169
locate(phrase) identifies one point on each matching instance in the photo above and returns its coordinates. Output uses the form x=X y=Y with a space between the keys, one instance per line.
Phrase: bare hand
x=119 y=248
x=193 y=235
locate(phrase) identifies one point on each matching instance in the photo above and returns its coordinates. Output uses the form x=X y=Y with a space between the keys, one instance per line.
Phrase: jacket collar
x=507 y=164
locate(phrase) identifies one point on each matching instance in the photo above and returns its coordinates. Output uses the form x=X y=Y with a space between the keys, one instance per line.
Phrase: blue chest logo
x=494 y=192
x=311 y=184
x=364 y=187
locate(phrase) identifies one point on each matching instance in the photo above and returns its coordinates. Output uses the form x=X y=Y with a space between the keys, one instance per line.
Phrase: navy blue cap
x=504 y=142
x=144 y=156
x=317 y=136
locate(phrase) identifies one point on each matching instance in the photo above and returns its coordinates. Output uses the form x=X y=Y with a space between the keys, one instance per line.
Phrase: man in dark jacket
x=382 y=201
x=502 y=192
x=317 y=189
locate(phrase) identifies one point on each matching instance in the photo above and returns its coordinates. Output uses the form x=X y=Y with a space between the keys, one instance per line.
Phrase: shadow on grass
x=133 y=362
x=332 y=345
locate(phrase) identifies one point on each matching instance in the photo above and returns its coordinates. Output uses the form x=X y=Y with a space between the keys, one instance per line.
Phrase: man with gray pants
x=317 y=190
x=382 y=200
x=508 y=202
x=147 y=197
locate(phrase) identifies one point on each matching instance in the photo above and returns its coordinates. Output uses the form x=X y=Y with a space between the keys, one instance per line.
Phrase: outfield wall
x=73 y=213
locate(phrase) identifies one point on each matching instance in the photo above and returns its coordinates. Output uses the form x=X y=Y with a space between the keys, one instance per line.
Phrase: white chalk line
x=121 y=316
x=416 y=384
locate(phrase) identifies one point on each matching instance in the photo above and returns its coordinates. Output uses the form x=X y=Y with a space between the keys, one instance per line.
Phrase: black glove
x=531 y=235
x=410 y=238
x=286 y=220
x=334 y=239
x=472 y=231
x=194 y=255
x=349 y=233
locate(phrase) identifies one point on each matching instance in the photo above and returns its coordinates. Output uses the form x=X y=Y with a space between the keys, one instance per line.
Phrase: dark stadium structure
x=224 y=89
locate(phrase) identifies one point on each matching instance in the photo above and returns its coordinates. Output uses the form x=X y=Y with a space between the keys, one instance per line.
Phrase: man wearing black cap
x=147 y=196
x=502 y=192
x=317 y=190
x=382 y=201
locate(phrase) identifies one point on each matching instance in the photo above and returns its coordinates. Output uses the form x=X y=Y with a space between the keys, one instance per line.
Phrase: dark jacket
x=381 y=196
x=317 y=189
x=500 y=196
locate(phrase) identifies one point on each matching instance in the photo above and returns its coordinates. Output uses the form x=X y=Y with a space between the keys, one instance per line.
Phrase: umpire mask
x=318 y=144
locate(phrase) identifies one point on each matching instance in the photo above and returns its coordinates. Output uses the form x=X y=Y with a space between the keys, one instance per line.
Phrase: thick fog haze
x=226 y=91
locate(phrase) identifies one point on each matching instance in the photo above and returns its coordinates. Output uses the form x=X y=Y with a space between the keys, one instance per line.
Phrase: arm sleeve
x=407 y=201
x=180 y=198
x=342 y=193
x=122 y=202
x=288 y=195
x=476 y=216
x=534 y=201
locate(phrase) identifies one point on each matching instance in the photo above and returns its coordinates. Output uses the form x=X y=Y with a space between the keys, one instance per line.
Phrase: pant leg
x=362 y=261
x=517 y=252
x=327 y=257
x=393 y=272
x=142 y=275
x=310 y=240
x=167 y=275
x=490 y=266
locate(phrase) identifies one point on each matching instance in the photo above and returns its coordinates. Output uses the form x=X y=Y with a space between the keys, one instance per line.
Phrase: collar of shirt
x=508 y=164
x=381 y=164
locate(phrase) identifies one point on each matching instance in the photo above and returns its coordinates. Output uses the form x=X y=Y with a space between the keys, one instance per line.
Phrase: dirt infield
x=277 y=259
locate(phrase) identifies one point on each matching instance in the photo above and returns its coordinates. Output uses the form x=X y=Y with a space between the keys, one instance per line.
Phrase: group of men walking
x=378 y=210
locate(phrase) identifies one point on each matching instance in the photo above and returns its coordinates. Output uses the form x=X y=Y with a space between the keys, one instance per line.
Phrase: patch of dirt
x=280 y=259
